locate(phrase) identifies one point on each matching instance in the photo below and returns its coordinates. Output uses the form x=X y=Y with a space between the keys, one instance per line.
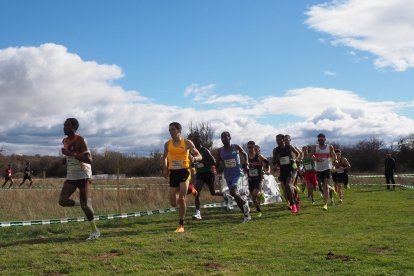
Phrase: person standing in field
x=389 y=168
x=283 y=161
x=204 y=173
x=255 y=174
x=229 y=162
x=8 y=176
x=323 y=153
x=27 y=175
x=178 y=153
x=78 y=159
x=341 y=165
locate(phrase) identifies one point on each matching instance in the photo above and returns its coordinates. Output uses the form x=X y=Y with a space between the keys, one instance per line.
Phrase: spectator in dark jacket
x=389 y=165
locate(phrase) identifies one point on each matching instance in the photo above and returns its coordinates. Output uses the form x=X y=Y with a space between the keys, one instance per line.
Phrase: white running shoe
x=197 y=215
x=247 y=219
x=246 y=209
x=94 y=235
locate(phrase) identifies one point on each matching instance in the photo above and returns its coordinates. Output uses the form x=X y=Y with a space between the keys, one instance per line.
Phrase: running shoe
x=293 y=209
x=247 y=219
x=259 y=214
x=197 y=216
x=332 y=202
x=180 y=229
x=348 y=187
x=94 y=235
x=246 y=209
x=340 y=200
x=325 y=207
x=262 y=198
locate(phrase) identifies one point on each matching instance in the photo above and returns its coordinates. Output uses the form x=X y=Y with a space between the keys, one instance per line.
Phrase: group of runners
x=232 y=161
x=315 y=165
x=9 y=172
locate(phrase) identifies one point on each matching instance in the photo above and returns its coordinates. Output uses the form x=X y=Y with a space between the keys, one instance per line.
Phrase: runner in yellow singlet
x=176 y=166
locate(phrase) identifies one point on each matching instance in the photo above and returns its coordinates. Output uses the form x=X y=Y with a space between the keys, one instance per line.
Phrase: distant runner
x=309 y=173
x=8 y=176
x=204 y=174
x=255 y=174
x=341 y=165
x=27 y=175
x=283 y=161
x=322 y=155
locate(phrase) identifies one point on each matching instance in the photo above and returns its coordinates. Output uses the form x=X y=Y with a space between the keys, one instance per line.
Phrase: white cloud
x=198 y=91
x=41 y=86
x=383 y=28
x=329 y=73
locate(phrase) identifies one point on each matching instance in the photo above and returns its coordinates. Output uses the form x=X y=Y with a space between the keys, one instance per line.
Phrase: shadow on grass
x=41 y=240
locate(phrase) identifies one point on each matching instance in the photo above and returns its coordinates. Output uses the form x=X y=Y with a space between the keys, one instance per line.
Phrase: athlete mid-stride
x=229 y=160
x=78 y=160
x=178 y=154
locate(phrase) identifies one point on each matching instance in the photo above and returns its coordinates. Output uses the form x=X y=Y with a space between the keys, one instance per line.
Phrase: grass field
x=370 y=234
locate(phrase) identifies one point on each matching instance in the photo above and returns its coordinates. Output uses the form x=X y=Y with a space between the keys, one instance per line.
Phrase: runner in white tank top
x=323 y=153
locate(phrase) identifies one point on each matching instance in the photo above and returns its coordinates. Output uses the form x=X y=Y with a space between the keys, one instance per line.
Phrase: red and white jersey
x=324 y=157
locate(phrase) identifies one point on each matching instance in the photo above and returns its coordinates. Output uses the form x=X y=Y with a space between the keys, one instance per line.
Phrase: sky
x=126 y=69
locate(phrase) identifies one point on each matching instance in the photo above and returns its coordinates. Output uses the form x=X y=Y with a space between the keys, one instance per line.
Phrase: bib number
x=253 y=172
x=176 y=164
x=308 y=167
x=230 y=163
x=284 y=160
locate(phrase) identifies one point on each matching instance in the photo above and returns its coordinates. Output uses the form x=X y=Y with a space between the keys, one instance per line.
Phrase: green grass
x=370 y=234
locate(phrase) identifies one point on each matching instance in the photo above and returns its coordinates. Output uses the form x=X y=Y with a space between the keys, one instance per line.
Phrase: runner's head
x=257 y=148
x=305 y=149
x=175 y=129
x=287 y=139
x=251 y=147
x=70 y=126
x=338 y=153
x=321 y=139
x=280 y=139
x=225 y=138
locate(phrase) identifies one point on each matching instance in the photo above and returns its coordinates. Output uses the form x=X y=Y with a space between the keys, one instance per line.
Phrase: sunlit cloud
x=382 y=28
x=42 y=86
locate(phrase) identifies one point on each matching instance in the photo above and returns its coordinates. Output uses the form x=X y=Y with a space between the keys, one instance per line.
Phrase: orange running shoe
x=180 y=229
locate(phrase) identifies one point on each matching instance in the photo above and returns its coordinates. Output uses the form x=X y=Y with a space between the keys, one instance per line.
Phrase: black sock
x=258 y=209
x=181 y=222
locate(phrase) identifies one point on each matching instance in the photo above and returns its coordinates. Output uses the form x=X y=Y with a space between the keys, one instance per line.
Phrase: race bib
x=308 y=167
x=199 y=165
x=340 y=170
x=253 y=172
x=284 y=160
x=230 y=163
x=176 y=164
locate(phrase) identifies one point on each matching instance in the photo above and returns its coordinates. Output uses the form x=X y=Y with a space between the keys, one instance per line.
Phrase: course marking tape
x=103 y=217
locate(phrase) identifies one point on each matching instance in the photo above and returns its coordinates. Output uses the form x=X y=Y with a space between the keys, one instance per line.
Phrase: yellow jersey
x=178 y=156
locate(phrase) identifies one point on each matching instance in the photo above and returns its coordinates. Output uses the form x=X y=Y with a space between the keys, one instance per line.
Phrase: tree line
x=365 y=156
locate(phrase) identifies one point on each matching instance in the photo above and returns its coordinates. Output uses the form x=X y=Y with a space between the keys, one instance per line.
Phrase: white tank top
x=77 y=169
x=325 y=156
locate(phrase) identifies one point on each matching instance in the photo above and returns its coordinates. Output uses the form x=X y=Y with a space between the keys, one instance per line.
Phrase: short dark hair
x=251 y=143
x=176 y=125
x=337 y=150
x=321 y=135
x=225 y=133
x=280 y=135
x=74 y=122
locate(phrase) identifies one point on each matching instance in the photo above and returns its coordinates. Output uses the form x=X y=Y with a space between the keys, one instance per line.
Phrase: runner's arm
x=165 y=161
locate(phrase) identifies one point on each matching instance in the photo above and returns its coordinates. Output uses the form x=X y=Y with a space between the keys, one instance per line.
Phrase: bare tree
x=205 y=131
